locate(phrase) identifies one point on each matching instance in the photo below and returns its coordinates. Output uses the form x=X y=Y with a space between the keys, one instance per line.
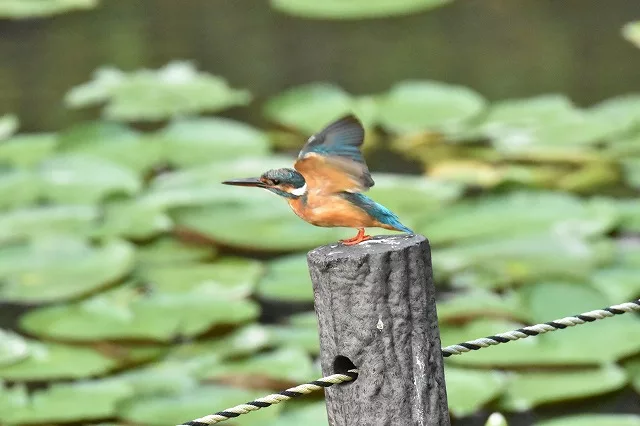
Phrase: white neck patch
x=298 y=192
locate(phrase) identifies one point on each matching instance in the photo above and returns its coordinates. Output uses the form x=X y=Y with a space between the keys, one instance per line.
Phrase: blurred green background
x=134 y=289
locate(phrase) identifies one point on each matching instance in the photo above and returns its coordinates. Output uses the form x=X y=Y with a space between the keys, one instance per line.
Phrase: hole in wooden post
x=341 y=365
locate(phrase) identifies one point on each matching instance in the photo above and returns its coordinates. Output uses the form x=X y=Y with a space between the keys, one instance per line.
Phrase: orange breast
x=331 y=211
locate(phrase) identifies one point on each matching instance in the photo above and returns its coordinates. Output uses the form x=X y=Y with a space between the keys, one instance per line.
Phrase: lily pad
x=480 y=303
x=308 y=414
x=52 y=268
x=19 y=188
x=631 y=32
x=77 y=179
x=37 y=221
x=287 y=280
x=169 y=250
x=65 y=402
x=633 y=370
x=54 y=361
x=13 y=348
x=528 y=390
x=26 y=150
x=291 y=365
x=148 y=95
x=414 y=106
x=168 y=303
x=310 y=107
x=297 y=334
x=621 y=114
x=177 y=409
x=469 y=390
x=188 y=142
x=114 y=142
x=619 y=281
x=362 y=9
x=8 y=125
x=22 y=9
x=133 y=218
x=594 y=420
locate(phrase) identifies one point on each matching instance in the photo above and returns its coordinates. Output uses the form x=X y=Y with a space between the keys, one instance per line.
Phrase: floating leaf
x=428 y=105
x=594 y=420
x=31 y=222
x=77 y=179
x=133 y=218
x=469 y=390
x=27 y=149
x=22 y=9
x=619 y=281
x=188 y=142
x=176 y=409
x=18 y=188
x=113 y=142
x=176 y=89
x=633 y=370
x=53 y=361
x=479 y=303
x=171 y=302
x=13 y=348
x=291 y=365
x=631 y=32
x=168 y=250
x=287 y=279
x=57 y=268
x=65 y=402
x=362 y=9
x=299 y=333
x=311 y=107
x=8 y=126
x=621 y=113
x=528 y=390
x=308 y=414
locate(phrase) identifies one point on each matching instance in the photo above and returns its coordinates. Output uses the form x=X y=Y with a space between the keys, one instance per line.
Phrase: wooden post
x=376 y=310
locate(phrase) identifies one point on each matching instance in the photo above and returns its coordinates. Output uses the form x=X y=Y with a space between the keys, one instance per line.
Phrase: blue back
x=375 y=210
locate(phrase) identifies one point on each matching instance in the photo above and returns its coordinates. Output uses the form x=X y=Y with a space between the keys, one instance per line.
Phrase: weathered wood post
x=376 y=308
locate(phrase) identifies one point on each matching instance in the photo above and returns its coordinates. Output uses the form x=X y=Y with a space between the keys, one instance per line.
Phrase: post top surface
x=376 y=245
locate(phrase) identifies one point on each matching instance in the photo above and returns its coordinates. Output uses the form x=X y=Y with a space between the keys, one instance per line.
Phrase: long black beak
x=245 y=182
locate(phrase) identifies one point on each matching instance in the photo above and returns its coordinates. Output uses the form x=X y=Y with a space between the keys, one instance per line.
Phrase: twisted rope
x=272 y=399
x=460 y=348
x=535 y=330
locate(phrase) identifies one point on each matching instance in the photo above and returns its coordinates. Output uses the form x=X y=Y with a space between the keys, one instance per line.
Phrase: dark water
x=502 y=48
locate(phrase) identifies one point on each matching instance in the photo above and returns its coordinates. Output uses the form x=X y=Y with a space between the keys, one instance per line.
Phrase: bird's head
x=287 y=183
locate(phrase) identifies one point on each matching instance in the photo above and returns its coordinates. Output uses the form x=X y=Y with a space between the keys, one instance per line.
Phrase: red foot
x=360 y=237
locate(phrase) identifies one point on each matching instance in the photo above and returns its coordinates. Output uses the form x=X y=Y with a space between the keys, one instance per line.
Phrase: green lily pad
x=300 y=333
x=362 y=9
x=19 y=188
x=169 y=250
x=469 y=390
x=8 y=125
x=285 y=364
x=58 y=268
x=77 y=179
x=174 y=301
x=54 y=361
x=188 y=142
x=287 y=279
x=629 y=210
x=631 y=32
x=619 y=280
x=310 y=107
x=64 y=402
x=22 y=9
x=621 y=114
x=26 y=150
x=133 y=218
x=114 y=142
x=13 y=348
x=519 y=213
x=148 y=95
x=480 y=303
x=36 y=221
x=196 y=403
x=633 y=370
x=594 y=420
x=308 y=414
x=428 y=105
x=528 y=390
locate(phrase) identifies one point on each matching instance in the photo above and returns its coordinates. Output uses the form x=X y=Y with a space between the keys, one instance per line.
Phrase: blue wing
x=377 y=211
x=331 y=159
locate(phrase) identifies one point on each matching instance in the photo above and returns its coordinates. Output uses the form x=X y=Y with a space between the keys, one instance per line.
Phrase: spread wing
x=331 y=160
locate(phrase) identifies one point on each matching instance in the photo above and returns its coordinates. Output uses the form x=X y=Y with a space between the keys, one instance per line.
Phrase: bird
x=326 y=185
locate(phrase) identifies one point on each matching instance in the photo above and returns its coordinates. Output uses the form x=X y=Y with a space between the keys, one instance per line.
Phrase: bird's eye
x=275 y=182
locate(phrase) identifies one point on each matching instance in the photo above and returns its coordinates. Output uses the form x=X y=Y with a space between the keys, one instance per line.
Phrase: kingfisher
x=326 y=186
